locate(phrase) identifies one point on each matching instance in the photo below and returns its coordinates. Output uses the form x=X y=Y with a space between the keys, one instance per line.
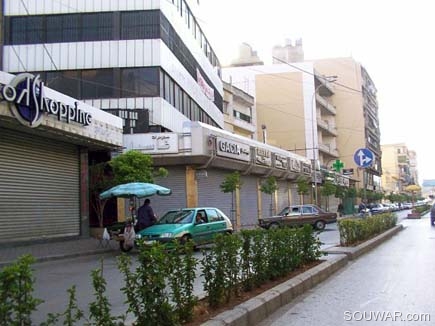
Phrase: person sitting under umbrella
x=145 y=216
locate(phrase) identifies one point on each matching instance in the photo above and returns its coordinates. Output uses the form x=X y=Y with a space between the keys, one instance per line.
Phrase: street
x=53 y=278
x=388 y=286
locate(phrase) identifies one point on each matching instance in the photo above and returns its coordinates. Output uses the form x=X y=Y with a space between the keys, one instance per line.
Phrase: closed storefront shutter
x=176 y=181
x=39 y=187
x=266 y=204
x=283 y=195
x=210 y=194
x=248 y=202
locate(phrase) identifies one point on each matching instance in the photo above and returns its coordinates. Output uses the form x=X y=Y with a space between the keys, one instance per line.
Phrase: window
x=67 y=82
x=99 y=83
x=140 y=82
x=97 y=26
x=307 y=210
x=213 y=215
x=27 y=30
x=63 y=28
x=140 y=25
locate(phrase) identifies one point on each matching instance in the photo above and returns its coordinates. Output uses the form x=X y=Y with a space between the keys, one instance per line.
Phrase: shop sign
x=263 y=157
x=205 y=88
x=25 y=94
x=281 y=162
x=157 y=143
x=295 y=165
x=306 y=168
x=232 y=149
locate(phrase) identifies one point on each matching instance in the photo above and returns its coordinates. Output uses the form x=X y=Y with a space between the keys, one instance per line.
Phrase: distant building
x=399 y=167
x=288 y=52
x=247 y=57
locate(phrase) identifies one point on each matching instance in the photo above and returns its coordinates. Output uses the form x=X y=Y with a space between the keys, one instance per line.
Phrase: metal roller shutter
x=248 y=201
x=39 y=187
x=265 y=203
x=210 y=194
x=176 y=181
x=283 y=199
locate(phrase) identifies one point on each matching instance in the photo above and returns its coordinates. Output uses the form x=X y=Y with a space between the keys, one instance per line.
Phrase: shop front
x=199 y=160
x=46 y=138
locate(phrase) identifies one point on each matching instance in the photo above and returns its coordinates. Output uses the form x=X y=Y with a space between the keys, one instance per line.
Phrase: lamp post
x=316 y=163
x=264 y=131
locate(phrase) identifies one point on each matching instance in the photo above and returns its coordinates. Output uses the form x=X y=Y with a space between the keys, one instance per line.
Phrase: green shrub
x=16 y=293
x=355 y=230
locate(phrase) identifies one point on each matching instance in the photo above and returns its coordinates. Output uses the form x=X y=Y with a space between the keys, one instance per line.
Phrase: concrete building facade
x=150 y=63
x=399 y=165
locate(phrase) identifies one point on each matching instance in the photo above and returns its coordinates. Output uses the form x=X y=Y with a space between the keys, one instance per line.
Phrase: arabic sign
x=363 y=157
x=156 y=143
x=263 y=157
x=281 y=162
x=295 y=165
x=233 y=149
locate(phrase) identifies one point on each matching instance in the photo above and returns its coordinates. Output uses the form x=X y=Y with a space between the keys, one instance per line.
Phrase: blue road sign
x=363 y=157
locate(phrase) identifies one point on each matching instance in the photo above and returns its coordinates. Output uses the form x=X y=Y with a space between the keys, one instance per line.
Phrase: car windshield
x=177 y=217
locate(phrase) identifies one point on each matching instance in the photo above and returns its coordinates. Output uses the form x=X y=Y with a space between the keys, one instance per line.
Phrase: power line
x=318 y=76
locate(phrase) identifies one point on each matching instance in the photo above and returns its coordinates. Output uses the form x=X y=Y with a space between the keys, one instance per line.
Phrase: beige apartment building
x=399 y=167
x=324 y=110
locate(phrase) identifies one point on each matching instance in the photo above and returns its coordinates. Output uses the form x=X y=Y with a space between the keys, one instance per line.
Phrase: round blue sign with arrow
x=363 y=157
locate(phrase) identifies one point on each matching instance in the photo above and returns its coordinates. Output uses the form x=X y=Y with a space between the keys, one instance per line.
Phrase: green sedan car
x=199 y=224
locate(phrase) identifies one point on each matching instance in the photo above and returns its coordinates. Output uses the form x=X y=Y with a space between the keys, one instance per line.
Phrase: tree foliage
x=303 y=184
x=131 y=166
x=134 y=166
x=231 y=182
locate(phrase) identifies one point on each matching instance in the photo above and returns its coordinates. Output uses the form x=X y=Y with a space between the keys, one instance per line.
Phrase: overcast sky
x=392 y=39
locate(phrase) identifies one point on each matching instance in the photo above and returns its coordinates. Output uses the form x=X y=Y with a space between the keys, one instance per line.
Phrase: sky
x=393 y=39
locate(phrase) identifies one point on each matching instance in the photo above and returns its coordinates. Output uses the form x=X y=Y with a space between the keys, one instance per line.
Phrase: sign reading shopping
x=25 y=93
x=363 y=157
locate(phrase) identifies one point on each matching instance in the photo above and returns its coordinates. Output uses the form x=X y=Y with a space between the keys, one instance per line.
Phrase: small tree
x=230 y=184
x=269 y=186
x=328 y=189
x=131 y=166
x=303 y=187
x=100 y=179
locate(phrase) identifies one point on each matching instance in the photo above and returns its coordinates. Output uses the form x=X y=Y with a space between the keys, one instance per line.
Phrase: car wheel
x=319 y=225
x=124 y=248
x=274 y=226
x=184 y=239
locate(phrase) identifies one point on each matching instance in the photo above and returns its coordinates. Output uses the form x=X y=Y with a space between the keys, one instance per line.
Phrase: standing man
x=145 y=216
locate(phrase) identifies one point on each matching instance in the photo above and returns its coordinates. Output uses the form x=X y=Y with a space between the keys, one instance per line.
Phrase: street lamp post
x=316 y=163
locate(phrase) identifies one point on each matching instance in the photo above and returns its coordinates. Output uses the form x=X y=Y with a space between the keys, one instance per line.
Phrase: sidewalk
x=58 y=249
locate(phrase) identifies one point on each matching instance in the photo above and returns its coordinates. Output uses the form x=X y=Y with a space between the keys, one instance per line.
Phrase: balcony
x=326 y=107
x=326 y=127
x=327 y=149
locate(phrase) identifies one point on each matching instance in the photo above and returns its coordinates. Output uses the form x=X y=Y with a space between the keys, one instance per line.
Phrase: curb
x=355 y=252
x=61 y=256
x=263 y=305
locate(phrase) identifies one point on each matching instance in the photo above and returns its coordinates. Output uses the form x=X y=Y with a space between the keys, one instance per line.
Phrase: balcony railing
x=326 y=105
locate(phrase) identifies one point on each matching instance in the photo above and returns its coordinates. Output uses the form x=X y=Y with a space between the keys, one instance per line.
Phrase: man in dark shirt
x=145 y=216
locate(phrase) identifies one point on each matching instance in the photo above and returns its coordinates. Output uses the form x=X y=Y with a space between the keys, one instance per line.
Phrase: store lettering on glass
x=25 y=93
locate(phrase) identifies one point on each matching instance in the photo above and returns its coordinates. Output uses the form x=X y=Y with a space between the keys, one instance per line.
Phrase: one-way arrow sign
x=363 y=157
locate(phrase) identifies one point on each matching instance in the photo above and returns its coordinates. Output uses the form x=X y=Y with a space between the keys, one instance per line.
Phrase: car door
x=293 y=216
x=216 y=224
x=309 y=215
x=200 y=230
